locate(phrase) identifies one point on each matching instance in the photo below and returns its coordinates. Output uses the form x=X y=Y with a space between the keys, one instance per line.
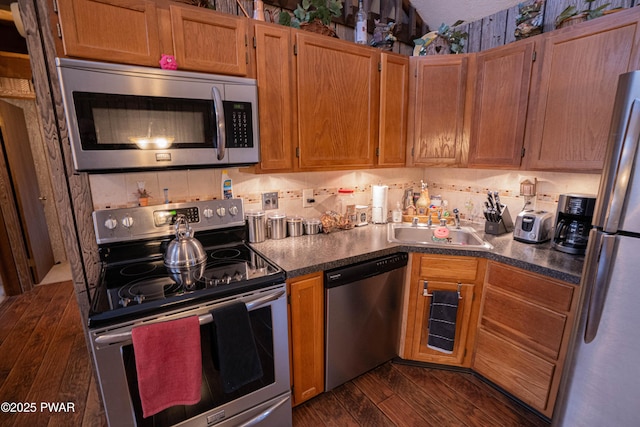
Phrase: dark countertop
x=312 y=253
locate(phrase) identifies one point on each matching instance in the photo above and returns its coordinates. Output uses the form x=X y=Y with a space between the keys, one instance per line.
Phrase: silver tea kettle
x=185 y=257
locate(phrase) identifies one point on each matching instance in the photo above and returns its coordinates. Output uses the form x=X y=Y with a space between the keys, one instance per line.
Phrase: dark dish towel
x=442 y=321
x=168 y=364
x=235 y=349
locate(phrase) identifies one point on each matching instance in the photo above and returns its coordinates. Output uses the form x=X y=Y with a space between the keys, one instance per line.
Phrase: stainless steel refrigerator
x=601 y=382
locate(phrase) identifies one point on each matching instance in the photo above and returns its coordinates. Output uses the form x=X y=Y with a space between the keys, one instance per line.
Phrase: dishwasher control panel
x=362 y=270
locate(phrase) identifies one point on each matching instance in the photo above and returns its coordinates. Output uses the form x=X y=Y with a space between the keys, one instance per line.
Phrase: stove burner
x=147 y=289
x=137 y=269
x=226 y=253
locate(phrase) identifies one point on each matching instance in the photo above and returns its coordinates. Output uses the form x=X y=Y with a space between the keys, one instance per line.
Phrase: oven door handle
x=203 y=319
x=264 y=414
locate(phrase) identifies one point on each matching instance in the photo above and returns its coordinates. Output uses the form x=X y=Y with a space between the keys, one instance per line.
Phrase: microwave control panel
x=238 y=119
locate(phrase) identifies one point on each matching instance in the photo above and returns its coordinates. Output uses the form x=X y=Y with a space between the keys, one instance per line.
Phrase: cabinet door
x=306 y=328
x=420 y=350
x=437 y=94
x=575 y=95
x=111 y=30
x=209 y=41
x=276 y=90
x=394 y=89
x=443 y=273
x=500 y=105
x=337 y=102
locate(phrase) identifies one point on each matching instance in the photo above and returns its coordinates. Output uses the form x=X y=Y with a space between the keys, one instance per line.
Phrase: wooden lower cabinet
x=443 y=273
x=523 y=333
x=306 y=336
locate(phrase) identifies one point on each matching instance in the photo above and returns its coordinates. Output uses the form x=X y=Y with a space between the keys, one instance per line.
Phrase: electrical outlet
x=270 y=200
x=307 y=198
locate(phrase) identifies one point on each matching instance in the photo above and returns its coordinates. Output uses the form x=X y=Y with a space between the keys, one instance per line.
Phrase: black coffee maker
x=573 y=222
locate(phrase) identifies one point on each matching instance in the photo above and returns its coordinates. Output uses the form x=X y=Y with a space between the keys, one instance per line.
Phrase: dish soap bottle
x=422 y=205
x=227 y=191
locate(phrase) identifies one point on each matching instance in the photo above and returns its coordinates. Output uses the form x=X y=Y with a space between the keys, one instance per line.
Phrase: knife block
x=505 y=225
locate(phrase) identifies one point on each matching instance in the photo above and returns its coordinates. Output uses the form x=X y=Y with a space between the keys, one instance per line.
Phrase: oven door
x=265 y=401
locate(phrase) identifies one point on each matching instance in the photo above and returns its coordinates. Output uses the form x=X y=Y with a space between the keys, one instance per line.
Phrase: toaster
x=533 y=226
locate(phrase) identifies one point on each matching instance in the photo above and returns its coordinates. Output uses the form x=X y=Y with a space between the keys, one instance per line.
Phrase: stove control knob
x=111 y=223
x=127 y=221
x=233 y=210
x=221 y=212
x=207 y=212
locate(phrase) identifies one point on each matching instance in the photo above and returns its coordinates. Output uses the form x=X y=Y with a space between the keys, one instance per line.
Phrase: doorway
x=24 y=227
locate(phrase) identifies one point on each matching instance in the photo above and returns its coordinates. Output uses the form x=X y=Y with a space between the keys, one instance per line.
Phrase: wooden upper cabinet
x=123 y=31
x=274 y=73
x=394 y=89
x=500 y=105
x=576 y=88
x=209 y=41
x=337 y=103
x=437 y=99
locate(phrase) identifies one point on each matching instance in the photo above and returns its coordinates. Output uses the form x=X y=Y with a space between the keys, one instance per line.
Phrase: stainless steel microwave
x=123 y=117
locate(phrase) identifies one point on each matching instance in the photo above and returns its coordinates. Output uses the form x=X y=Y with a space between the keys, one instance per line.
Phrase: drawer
x=532 y=287
x=532 y=326
x=457 y=269
x=517 y=371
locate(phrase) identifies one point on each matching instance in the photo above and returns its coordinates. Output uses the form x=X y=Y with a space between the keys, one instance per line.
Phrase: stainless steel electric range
x=135 y=288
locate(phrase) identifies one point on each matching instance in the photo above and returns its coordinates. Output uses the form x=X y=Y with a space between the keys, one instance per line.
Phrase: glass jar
x=345 y=198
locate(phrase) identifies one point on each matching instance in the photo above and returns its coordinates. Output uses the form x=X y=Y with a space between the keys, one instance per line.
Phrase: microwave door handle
x=221 y=133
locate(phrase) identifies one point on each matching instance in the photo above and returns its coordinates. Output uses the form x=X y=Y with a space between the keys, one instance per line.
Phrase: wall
x=465 y=189
x=41 y=164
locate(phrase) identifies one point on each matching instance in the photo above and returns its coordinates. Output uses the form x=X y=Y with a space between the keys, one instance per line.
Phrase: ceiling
x=437 y=12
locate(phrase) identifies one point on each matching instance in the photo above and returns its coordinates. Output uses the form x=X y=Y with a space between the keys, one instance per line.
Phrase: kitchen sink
x=422 y=234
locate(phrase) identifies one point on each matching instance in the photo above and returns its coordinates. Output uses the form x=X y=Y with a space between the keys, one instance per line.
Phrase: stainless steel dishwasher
x=363 y=309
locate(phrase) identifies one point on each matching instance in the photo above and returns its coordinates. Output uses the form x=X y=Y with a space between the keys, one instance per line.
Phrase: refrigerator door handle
x=624 y=170
x=605 y=257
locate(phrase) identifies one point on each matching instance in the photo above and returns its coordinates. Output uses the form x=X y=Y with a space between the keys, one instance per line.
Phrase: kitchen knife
x=496 y=196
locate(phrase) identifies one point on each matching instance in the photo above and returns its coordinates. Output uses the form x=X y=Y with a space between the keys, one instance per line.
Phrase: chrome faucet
x=429 y=222
x=414 y=221
x=456 y=212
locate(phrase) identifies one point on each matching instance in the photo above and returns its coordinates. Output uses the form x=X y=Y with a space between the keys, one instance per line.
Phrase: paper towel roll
x=379 y=204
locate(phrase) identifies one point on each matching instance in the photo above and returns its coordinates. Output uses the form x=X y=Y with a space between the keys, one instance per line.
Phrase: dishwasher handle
x=365 y=269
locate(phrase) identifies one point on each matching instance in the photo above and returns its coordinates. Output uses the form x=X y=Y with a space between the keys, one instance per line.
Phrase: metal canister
x=257 y=222
x=312 y=226
x=277 y=226
x=294 y=226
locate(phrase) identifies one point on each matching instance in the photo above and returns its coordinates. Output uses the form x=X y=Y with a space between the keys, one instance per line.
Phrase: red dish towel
x=168 y=363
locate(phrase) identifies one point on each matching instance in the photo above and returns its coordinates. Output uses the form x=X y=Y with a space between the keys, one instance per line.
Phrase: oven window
x=212 y=394
x=108 y=121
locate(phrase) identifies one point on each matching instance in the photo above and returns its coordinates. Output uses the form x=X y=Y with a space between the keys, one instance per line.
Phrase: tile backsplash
x=465 y=189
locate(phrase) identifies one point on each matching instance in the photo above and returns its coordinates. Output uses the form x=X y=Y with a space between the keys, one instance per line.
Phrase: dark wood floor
x=397 y=394
x=44 y=358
